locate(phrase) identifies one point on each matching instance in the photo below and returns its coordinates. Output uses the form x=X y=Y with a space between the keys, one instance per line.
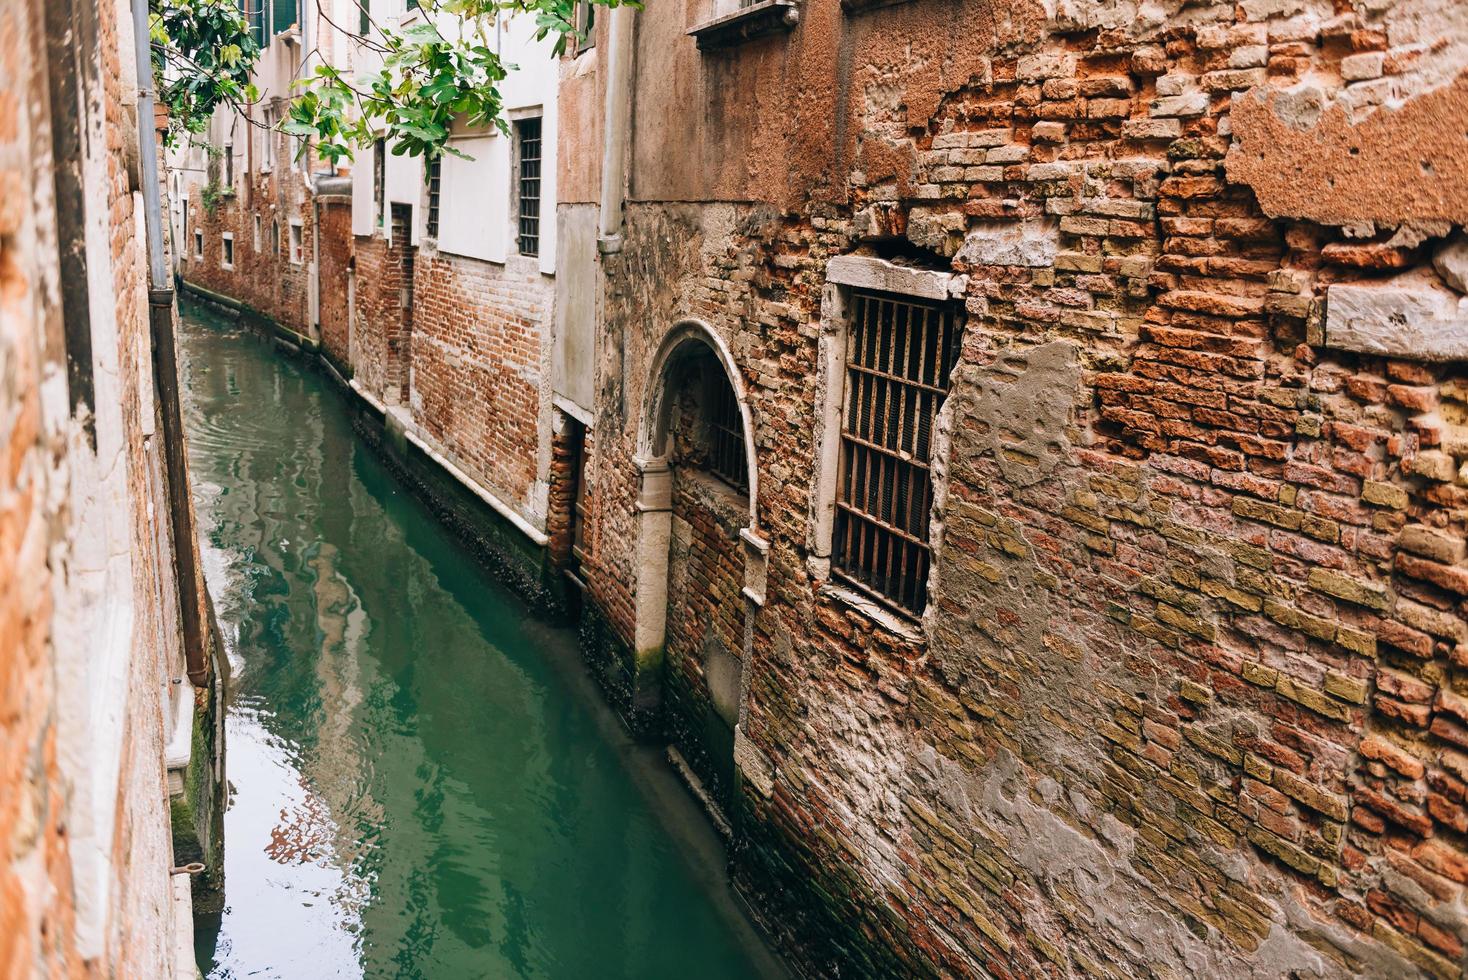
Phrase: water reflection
x=422 y=787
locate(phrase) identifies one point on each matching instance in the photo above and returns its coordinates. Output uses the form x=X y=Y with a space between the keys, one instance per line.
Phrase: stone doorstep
x=695 y=786
x=179 y=751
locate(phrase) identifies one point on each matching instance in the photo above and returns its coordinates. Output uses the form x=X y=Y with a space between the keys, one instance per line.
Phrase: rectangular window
x=435 y=180
x=285 y=16
x=198 y=244
x=257 y=18
x=726 y=436
x=297 y=253
x=364 y=18
x=267 y=137
x=275 y=238
x=585 y=26
x=379 y=178
x=229 y=166
x=899 y=355
x=527 y=139
x=257 y=233
x=228 y=241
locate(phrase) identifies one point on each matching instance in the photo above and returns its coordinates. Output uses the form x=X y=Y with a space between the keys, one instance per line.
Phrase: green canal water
x=423 y=782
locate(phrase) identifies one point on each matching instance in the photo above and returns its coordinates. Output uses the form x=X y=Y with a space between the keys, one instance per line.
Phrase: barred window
x=435 y=178
x=527 y=133
x=726 y=435
x=899 y=355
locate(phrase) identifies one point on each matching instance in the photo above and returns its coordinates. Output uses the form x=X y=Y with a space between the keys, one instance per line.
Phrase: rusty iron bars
x=899 y=356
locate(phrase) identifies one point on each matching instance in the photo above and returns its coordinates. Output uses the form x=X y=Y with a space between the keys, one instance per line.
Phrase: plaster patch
x=1026 y=399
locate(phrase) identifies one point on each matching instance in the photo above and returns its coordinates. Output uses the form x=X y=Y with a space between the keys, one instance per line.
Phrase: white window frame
x=296 y=242
x=843 y=274
x=226 y=250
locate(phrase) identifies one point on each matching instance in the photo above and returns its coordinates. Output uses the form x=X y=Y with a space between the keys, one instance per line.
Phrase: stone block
x=1028 y=243
x=1451 y=262
x=1359 y=67
x=1414 y=320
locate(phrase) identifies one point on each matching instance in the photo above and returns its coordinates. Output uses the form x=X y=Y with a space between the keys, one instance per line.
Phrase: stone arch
x=687 y=335
x=692 y=645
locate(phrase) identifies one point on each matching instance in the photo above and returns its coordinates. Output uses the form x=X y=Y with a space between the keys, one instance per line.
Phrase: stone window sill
x=899 y=626
x=862 y=6
x=758 y=20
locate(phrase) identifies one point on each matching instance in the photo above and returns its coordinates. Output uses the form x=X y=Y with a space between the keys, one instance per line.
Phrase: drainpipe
x=165 y=364
x=618 y=124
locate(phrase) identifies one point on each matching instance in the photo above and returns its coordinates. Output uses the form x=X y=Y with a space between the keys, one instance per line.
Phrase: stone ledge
x=868 y=272
x=757 y=20
x=1415 y=319
x=862 y=6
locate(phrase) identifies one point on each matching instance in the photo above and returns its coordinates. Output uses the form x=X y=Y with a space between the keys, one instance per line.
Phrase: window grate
x=726 y=431
x=899 y=356
x=528 y=131
x=435 y=177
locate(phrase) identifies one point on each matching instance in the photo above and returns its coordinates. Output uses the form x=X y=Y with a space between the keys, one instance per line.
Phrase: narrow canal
x=424 y=783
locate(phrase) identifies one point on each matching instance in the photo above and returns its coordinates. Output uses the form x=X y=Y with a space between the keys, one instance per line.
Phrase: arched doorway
x=697 y=519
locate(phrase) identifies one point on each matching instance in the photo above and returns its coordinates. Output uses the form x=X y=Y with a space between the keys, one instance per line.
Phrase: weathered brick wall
x=705 y=625
x=1188 y=699
x=84 y=883
x=376 y=310
x=480 y=376
x=265 y=278
x=335 y=228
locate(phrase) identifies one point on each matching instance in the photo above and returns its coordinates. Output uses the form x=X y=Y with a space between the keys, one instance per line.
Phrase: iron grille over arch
x=900 y=353
x=726 y=433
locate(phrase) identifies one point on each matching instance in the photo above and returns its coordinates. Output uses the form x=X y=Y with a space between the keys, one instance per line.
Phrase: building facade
x=112 y=778
x=249 y=204
x=1015 y=458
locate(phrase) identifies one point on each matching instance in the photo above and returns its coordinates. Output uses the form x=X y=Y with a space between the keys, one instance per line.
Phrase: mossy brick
x=1310 y=698
x=1236 y=597
x=1384 y=495
x=1187 y=622
x=1258 y=510
x=1283 y=850
x=1257 y=673
x=1356 y=641
x=1286 y=615
x=1310 y=795
x=1345 y=687
x=1195 y=693
x=1207 y=743
x=1355 y=590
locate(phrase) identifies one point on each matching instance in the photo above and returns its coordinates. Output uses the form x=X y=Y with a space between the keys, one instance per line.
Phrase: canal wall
x=109 y=692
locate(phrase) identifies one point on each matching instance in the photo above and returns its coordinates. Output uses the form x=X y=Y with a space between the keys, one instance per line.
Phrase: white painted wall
x=475 y=212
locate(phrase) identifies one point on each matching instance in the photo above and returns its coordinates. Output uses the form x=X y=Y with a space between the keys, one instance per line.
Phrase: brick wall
x=335 y=225
x=705 y=625
x=264 y=276
x=84 y=882
x=480 y=379
x=1187 y=697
